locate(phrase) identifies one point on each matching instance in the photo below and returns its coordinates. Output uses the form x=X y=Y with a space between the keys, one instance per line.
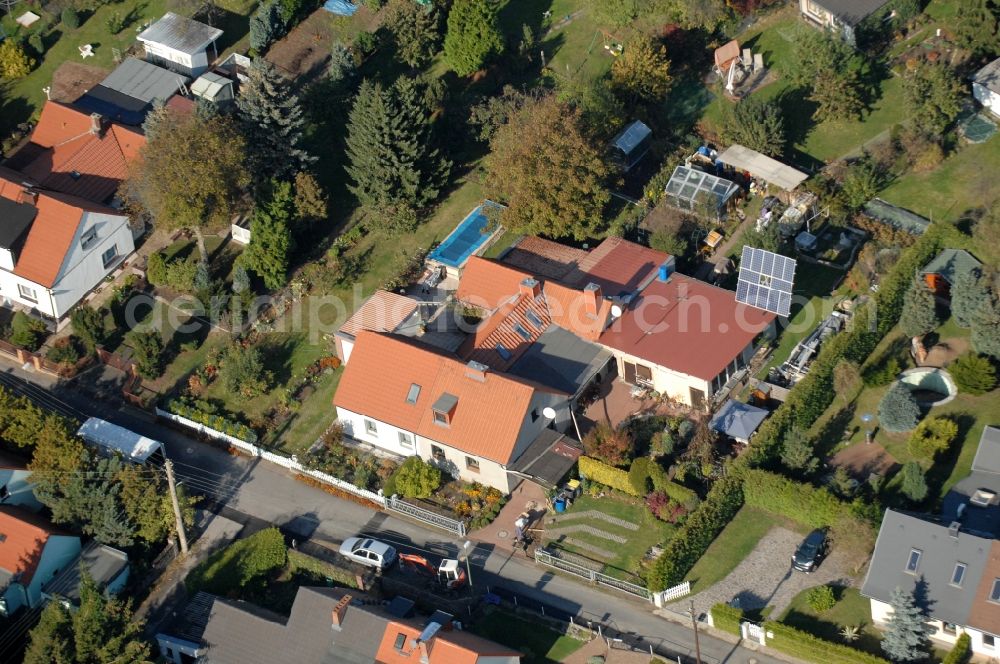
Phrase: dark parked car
x=810 y=552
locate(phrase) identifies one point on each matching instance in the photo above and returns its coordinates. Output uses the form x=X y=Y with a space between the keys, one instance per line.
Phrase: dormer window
x=88 y=238
x=444 y=409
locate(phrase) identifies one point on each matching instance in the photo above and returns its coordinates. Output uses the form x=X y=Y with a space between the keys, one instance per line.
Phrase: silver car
x=367 y=551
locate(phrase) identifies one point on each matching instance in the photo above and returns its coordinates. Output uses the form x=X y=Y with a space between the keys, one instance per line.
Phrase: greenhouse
x=697 y=191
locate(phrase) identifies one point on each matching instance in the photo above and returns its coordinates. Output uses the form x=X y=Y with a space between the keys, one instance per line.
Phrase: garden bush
x=246 y=562
x=200 y=413
x=805 y=646
x=727 y=618
x=974 y=374
x=881 y=373
x=27 y=332
x=898 y=410
x=798 y=501
x=613 y=446
x=821 y=599
x=691 y=540
x=70 y=18
x=960 y=653
x=639 y=476
x=148 y=356
x=416 y=478
x=932 y=437
x=36 y=43
x=88 y=323
x=662 y=507
x=176 y=274
x=65 y=351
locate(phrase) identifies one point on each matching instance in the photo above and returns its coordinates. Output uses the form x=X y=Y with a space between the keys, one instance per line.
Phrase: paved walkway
x=765 y=577
x=528 y=498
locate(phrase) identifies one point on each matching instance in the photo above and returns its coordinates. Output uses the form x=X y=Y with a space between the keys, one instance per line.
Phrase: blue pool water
x=465 y=240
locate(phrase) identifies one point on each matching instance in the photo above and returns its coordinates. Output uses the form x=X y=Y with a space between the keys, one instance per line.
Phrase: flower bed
x=196 y=412
x=331 y=456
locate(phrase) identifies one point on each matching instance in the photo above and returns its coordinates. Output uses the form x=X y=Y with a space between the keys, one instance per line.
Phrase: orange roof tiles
x=984 y=614
x=544 y=258
x=486 y=421
x=618 y=265
x=65 y=155
x=488 y=284
x=510 y=327
x=445 y=647
x=383 y=312
x=687 y=326
x=24 y=540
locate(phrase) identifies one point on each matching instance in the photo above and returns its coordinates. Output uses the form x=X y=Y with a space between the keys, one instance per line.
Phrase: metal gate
x=395 y=504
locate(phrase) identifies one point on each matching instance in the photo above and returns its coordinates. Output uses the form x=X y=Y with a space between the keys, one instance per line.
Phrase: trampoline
x=467 y=238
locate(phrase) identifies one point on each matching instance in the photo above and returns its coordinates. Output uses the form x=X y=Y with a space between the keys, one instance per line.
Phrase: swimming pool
x=467 y=238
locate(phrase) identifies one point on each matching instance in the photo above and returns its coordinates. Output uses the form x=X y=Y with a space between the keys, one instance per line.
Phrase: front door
x=697 y=398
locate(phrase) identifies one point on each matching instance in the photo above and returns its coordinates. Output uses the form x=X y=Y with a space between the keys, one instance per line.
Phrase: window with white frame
x=437 y=453
x=995 y=591
x=958 y=574
x=989 y=641
x=471 y=463
x=88 y=238
x=405 y=440
x=371 y=428
x=27 y=293
x=110 y=255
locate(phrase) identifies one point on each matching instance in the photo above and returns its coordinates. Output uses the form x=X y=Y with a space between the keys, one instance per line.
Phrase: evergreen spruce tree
x=266 y=26
x=898 y=411
x=905 y=636
x=241 y=279
x=393 y=162
x=473 y=35
x=271 y=236
x=797 y=452
x=271 y=120
x=919 y=315
x=914 y=484
x=967 y=295
x=976 y=27
x=415 y=29
x=986 y=326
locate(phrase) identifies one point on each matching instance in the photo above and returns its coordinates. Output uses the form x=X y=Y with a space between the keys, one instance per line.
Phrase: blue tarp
x=738 y=420
x=340 y=7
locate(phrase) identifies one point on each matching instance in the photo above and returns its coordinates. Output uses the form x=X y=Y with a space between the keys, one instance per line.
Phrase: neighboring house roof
x=761 y=166
x=24 y=536
x=618 y=266
x=939 y=553
x=984 y=614
x=987 y=457
x=561 y=360
x=384 y=311
x=983 y=479
x=509 y=332
x=738 y=420
x=75 y=154
x=51 y=234
x=446 y=647
x=851 y=12
x=544 y=258
x=104 y=564
x=548 y=458
x=895 y=216
x=989 y=76
x=180 y=34
x=488 y=284
x=951 y=263
x=687 y=326
x=128 y=92
x=487 y=409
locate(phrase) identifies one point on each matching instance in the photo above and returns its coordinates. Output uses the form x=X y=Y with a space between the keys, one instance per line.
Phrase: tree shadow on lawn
x=836 y=430
x=830 y=631
x=944 y=465
x=277 y=356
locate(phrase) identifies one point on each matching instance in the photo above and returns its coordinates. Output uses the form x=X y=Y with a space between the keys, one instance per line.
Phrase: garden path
x=527 y=497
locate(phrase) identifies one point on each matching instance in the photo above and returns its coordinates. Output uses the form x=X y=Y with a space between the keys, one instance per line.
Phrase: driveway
x=765 y=577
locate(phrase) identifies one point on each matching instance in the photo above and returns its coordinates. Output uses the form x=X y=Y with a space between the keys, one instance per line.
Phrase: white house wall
x=674 y=384
x=386 y=436
x=989 y=99
x=83 y=269
x=882 y=610
x=454 y=462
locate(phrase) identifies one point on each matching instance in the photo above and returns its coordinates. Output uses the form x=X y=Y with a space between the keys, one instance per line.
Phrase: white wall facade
x=882 y=610
x=195 y=64
x=674 y=384
x=455 y=462
x=989 y=99
x=385 y=436
x=81 y=271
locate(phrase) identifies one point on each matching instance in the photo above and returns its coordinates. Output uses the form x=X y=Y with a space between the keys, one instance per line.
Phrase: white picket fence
x=661 y=598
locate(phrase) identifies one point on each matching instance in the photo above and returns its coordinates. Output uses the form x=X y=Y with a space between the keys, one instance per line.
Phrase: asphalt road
x=268 y=493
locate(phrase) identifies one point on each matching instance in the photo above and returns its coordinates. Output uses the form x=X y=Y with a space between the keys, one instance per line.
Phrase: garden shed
x=943 y=271
x=180 y=43
x=738 y=420
x=762 y=167
x=697 y=191
x=631 y=144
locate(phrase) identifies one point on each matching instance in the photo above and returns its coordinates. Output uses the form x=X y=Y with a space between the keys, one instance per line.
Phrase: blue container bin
x=560 y=504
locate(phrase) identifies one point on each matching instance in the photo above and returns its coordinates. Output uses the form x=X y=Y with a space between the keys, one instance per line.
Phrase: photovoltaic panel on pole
x=766 y=280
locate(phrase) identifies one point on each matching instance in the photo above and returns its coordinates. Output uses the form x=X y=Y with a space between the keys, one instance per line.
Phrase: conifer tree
x=266 y=25
x=393 y=161
x=797 y=452
x=898 y=410
x=967 y=294
x=416 y=31
x=976 y=27
x=473 y=35
x=271 y=236
x=905 y=636
x=986 y=326
x=919 y=315
x=271 y=120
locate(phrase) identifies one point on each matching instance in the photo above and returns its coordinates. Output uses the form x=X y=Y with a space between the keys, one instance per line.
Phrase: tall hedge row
x=691 y=540
x=727 y=618
x=811 y=648
x=799 y=501
x=616 y=478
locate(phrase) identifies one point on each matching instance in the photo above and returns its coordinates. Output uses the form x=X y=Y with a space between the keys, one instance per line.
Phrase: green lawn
x=539 y=644
x=851 y=609
x=628 y=557
x=734 y=544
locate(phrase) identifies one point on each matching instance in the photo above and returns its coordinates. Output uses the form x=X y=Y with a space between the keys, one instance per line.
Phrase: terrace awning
x=761 y=166
x=738 y=420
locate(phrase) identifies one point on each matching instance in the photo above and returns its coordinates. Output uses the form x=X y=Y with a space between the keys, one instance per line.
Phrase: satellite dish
x=549 y=412
x=616 y=311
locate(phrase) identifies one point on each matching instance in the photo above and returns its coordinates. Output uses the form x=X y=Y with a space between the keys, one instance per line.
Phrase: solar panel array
x=766 y=280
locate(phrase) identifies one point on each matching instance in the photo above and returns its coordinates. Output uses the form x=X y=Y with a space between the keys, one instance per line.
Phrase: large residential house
x=840 y=16
x=31 y=554
x=326 y=625
x=409 y=398
x=62 y=234
x=950 y=561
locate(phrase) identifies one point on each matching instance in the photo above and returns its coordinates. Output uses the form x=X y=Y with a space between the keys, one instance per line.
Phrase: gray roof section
x=445 y=403
x=738 y=420
x=631 y=137
x=560 y=360
x=939 y=553
x=548 y=458
x=180 y=33
x=103 y=563
x=852 y=12
x=144 y=81
x=896 y=216
x=950 y=263
x=761 y=166
x=989 y=76
x=985 y=476
x=987 y=457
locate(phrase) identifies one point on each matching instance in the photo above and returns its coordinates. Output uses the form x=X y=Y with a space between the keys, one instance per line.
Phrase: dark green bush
x=639 y=476
x=36 y=43
x=246 y=562
x=960 y=653
x=70 y=18
x=974 y=374
x=821 y=599
x=65 y=351
x=27 y=332
x=882 y=373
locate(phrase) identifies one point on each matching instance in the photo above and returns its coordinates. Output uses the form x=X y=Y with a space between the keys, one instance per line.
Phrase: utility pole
x=181 y=536
x=697 y=645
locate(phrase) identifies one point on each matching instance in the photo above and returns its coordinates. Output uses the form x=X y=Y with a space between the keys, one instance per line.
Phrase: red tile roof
x=383 y=312
x=445 y=647
x=544 y=258
x=24 y=540
x=618 y=265
x=486 y=421
x=507 y=326
x=65 y=155
x=488 y=284
x=687 y=326
x=52 y=231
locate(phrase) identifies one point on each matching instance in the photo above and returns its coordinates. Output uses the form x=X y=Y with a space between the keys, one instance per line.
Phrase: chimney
x=664 y=271
x=476 y=371
x=531 y=287
x=340 y=611
x=96 y=125
x=591 y=298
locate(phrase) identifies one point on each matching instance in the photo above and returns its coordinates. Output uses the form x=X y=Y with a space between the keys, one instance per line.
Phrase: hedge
x=243 y=562
x=799 y=501
x=727 y=618
x=602 y=473
x=691 y=540
x=811 y=396
x=960 y=653
x=212 y=421
x=804 y=645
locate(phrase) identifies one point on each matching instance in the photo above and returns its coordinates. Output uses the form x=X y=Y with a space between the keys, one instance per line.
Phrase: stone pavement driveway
x=765 y=577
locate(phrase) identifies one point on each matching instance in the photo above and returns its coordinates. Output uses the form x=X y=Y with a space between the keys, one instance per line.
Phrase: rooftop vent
x=476 y=370
x=983 y=498
x=953 y=529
